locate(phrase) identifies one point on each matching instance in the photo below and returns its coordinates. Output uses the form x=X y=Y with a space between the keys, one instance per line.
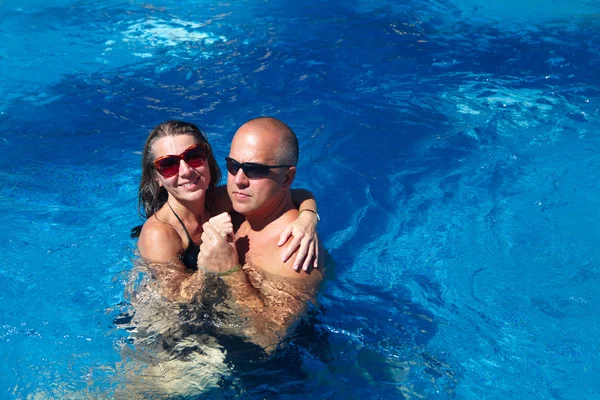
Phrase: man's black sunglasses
x=251 y=170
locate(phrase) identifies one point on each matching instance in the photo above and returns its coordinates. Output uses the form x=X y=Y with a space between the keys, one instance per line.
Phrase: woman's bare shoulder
x=159 y=241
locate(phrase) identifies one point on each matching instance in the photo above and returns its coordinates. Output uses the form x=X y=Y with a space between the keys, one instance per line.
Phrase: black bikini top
x=189 y=257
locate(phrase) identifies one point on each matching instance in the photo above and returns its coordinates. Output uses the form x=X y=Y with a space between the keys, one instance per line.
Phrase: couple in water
x=243 y=259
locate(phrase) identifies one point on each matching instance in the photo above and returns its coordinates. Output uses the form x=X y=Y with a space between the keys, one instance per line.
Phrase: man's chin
x=241 y=208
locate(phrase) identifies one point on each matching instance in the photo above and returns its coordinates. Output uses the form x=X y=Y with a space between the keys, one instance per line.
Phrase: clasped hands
x=217 y=251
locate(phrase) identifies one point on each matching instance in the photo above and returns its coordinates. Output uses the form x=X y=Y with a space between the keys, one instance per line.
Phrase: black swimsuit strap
x=189 y=256
x=182 y=225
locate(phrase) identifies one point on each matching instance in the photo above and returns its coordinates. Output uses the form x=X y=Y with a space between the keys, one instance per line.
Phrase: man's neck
x=258 y=221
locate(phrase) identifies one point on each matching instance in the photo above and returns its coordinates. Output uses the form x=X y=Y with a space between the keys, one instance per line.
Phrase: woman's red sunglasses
x=194 y=156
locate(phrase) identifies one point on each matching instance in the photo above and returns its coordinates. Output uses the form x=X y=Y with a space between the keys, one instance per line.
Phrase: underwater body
x=452 y=148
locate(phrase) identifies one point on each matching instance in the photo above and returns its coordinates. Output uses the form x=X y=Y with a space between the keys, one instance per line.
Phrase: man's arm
x=219 y=260
x=285 y=301
x=284 y=291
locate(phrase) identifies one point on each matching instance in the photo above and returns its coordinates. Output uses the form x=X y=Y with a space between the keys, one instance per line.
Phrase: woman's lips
x=190 y=185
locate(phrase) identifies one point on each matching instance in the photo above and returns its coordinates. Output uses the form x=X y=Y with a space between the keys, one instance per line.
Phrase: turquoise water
x=452 y=147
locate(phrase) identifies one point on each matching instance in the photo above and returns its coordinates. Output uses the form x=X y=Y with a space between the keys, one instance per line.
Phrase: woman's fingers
x=317 y=253
x=302 y=253
x=290 y=249
x=306 y=248
x=287 y=232
x=309 y=256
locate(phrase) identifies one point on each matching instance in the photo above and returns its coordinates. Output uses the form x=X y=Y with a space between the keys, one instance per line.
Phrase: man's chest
x=259 y=249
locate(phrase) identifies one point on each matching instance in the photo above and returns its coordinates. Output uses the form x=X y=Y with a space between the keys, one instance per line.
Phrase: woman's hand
x=216 y=254
x=304 y=231
x=223 y=225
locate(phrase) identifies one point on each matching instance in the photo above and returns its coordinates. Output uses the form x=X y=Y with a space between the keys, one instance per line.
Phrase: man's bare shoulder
x=270 y=261
x=262 y=251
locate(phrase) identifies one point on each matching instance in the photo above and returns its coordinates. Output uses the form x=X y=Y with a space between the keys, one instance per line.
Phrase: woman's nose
x=184 y=168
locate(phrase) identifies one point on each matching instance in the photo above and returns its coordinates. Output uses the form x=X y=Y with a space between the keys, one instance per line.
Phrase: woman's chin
x=189 y=194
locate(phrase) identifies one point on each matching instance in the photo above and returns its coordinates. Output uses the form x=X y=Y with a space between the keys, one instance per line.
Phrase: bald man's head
x=282 y=136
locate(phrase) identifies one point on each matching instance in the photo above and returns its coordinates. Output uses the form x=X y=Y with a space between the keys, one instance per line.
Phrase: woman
x=179 y=193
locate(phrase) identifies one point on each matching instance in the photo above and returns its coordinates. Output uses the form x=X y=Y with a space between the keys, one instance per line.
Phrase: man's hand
x=304 y=231
x=223 y=225
x=216 y=254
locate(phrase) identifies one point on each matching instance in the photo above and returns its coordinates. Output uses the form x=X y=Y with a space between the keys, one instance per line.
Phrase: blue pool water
x=453 y=148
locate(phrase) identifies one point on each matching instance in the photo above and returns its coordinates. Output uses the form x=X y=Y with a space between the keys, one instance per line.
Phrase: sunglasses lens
x=195 y=157
x=232 y=166
x=253 y=171
x=168 y=166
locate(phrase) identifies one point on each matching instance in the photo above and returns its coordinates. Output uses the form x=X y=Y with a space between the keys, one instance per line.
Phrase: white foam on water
x=161 y=33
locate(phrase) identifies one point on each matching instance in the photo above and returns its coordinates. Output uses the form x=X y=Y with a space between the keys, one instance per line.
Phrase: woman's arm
x=304 y=200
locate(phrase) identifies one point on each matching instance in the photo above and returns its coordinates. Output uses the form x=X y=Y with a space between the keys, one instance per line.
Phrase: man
x=261 y=168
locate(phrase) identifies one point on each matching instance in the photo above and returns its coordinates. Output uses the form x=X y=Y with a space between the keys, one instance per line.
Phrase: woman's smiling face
x=189 y=183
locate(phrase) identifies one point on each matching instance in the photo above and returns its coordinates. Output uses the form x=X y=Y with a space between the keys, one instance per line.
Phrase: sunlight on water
x=154 y=33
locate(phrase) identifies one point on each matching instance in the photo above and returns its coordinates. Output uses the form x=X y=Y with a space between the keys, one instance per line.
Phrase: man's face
x=255 y=196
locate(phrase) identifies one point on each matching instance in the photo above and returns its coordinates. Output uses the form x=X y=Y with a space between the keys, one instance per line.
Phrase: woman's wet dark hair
x=151 y=196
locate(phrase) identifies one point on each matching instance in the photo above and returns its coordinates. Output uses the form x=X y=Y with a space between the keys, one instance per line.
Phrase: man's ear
x=289 y=177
